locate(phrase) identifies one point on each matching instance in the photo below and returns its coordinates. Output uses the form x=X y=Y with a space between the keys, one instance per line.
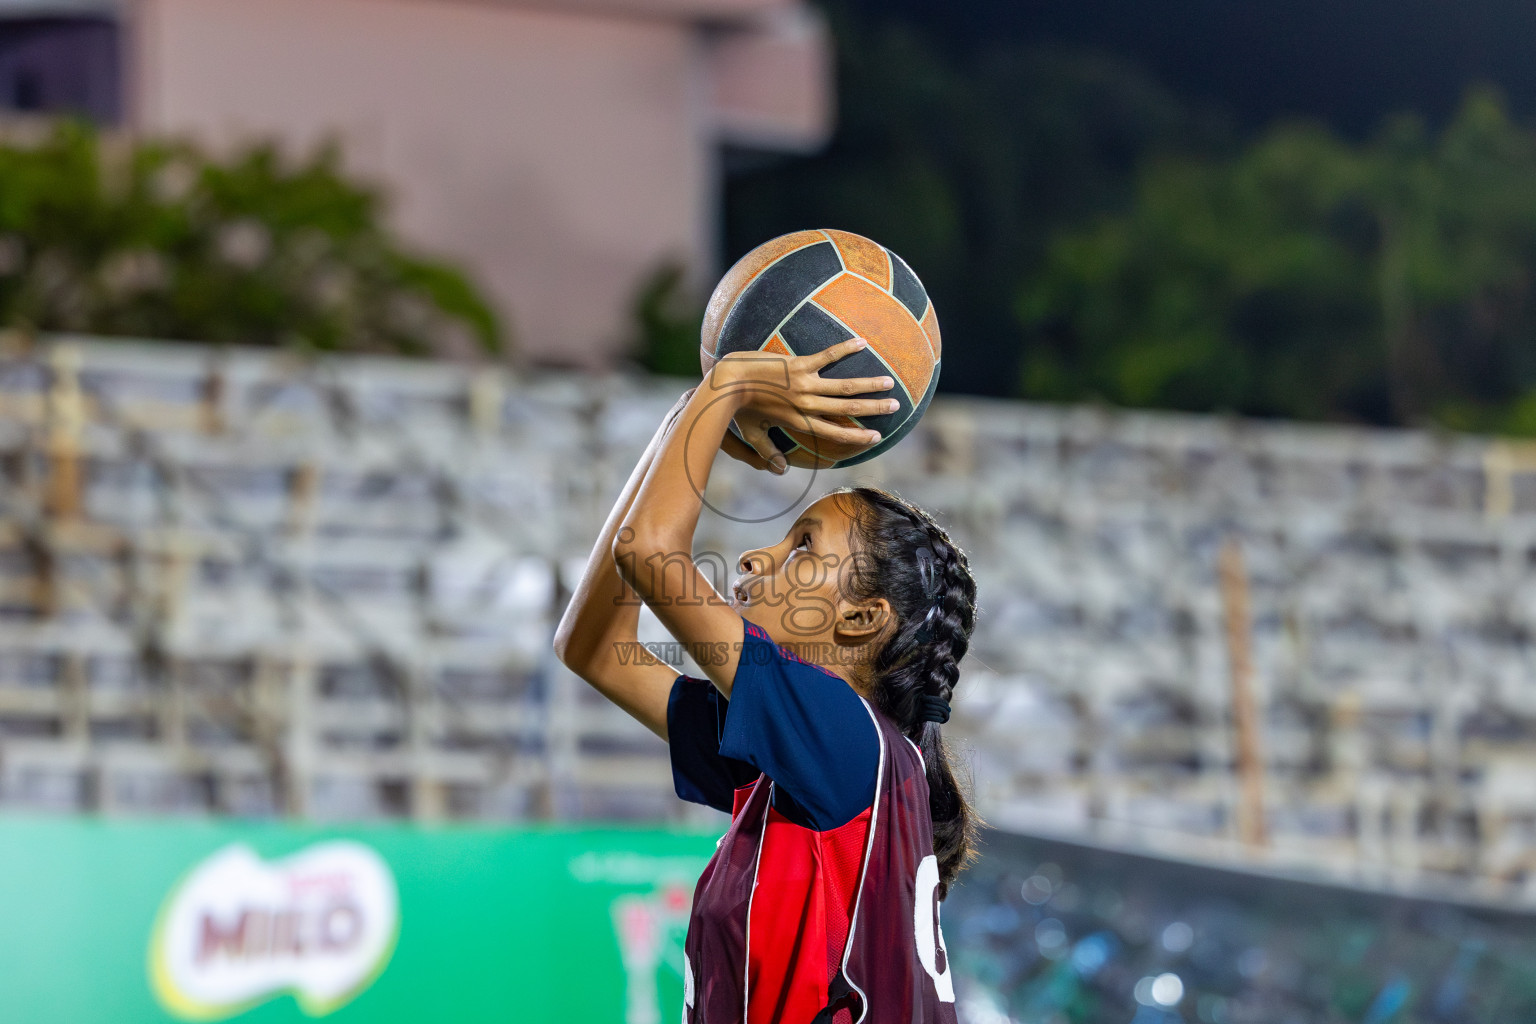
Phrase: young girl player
x=830 y=668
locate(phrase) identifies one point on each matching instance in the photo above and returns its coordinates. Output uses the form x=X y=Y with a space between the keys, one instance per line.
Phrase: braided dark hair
x=908 y=559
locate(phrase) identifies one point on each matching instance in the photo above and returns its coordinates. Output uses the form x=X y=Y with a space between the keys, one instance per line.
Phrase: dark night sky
x=1348 y=62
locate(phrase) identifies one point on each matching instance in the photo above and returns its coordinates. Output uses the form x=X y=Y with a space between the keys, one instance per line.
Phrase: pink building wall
x=559 y=151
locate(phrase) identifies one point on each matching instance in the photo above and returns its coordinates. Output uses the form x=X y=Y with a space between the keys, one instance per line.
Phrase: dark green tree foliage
x=966 y=167
x=1386 y=282
x=157 y=240
x=669 y=319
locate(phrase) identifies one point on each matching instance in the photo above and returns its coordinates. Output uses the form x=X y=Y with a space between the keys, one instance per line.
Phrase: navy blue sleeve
x=806 y=729
x=700 y=775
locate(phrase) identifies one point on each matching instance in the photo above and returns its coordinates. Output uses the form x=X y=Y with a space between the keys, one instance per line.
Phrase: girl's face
x=794 y=588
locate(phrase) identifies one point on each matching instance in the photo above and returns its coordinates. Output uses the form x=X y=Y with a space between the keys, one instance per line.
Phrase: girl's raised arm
x=653 y=547
x=597 y=636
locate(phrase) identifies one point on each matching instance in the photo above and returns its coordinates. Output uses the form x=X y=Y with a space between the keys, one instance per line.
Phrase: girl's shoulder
x=765 y=648
x=805 y=728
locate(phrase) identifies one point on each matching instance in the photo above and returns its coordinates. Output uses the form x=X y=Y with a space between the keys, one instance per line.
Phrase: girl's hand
x=773 y=389
x=732 y=445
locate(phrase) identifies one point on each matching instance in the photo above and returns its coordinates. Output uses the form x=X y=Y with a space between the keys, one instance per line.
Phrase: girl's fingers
x=755 y=433
x=849 y=385
x=823 y=406
x=836 y=432
x=828 y=356
x=739 y=450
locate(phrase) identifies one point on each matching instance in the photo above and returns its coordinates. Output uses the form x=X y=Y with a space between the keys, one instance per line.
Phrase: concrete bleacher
x=238 y=582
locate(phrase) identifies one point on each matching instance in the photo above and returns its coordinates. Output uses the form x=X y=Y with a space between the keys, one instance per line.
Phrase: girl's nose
x=752 y=563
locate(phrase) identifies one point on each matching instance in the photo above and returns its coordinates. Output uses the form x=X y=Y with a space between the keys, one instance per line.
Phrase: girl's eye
x=805 y=541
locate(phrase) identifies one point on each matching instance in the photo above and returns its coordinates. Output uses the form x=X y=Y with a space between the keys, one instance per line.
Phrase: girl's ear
x=862 y=621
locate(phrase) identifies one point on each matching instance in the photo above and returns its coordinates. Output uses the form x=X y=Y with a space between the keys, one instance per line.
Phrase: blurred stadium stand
x=233 y=582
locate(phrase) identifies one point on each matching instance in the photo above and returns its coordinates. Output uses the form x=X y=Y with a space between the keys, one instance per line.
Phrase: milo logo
x=320 y=924
x=650 y=924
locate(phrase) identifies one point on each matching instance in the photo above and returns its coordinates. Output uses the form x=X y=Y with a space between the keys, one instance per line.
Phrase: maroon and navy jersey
x=827 y=800
x=802 y=726
x=808 y=731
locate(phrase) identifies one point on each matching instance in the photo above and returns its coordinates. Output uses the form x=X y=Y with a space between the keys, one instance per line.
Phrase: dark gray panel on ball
x=906 y=287
x=782 y=441
x=765 y=302
x=813 y=329
x=889 y=441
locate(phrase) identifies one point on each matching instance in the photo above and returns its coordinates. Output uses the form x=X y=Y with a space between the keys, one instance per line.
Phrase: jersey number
x=930 y=939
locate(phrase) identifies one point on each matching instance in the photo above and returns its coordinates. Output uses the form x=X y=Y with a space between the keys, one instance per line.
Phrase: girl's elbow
x=642 y=555
x=562 y=643
x=570 y=656
x=629 y=549
x=644 y=536
x=574 y=646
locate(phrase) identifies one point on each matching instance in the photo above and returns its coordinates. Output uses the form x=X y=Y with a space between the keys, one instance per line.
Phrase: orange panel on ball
x=744 y=273
x=862 y=256
x=802 y=459
x=931 y=328
x=773 y=344
x=877 y=317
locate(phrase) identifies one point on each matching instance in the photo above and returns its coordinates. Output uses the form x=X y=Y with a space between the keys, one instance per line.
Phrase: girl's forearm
x=602 y=604
x=771 y=388
x=665 y=511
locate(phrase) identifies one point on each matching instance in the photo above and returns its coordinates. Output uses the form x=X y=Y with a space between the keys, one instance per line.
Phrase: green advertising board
x=126 y=922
